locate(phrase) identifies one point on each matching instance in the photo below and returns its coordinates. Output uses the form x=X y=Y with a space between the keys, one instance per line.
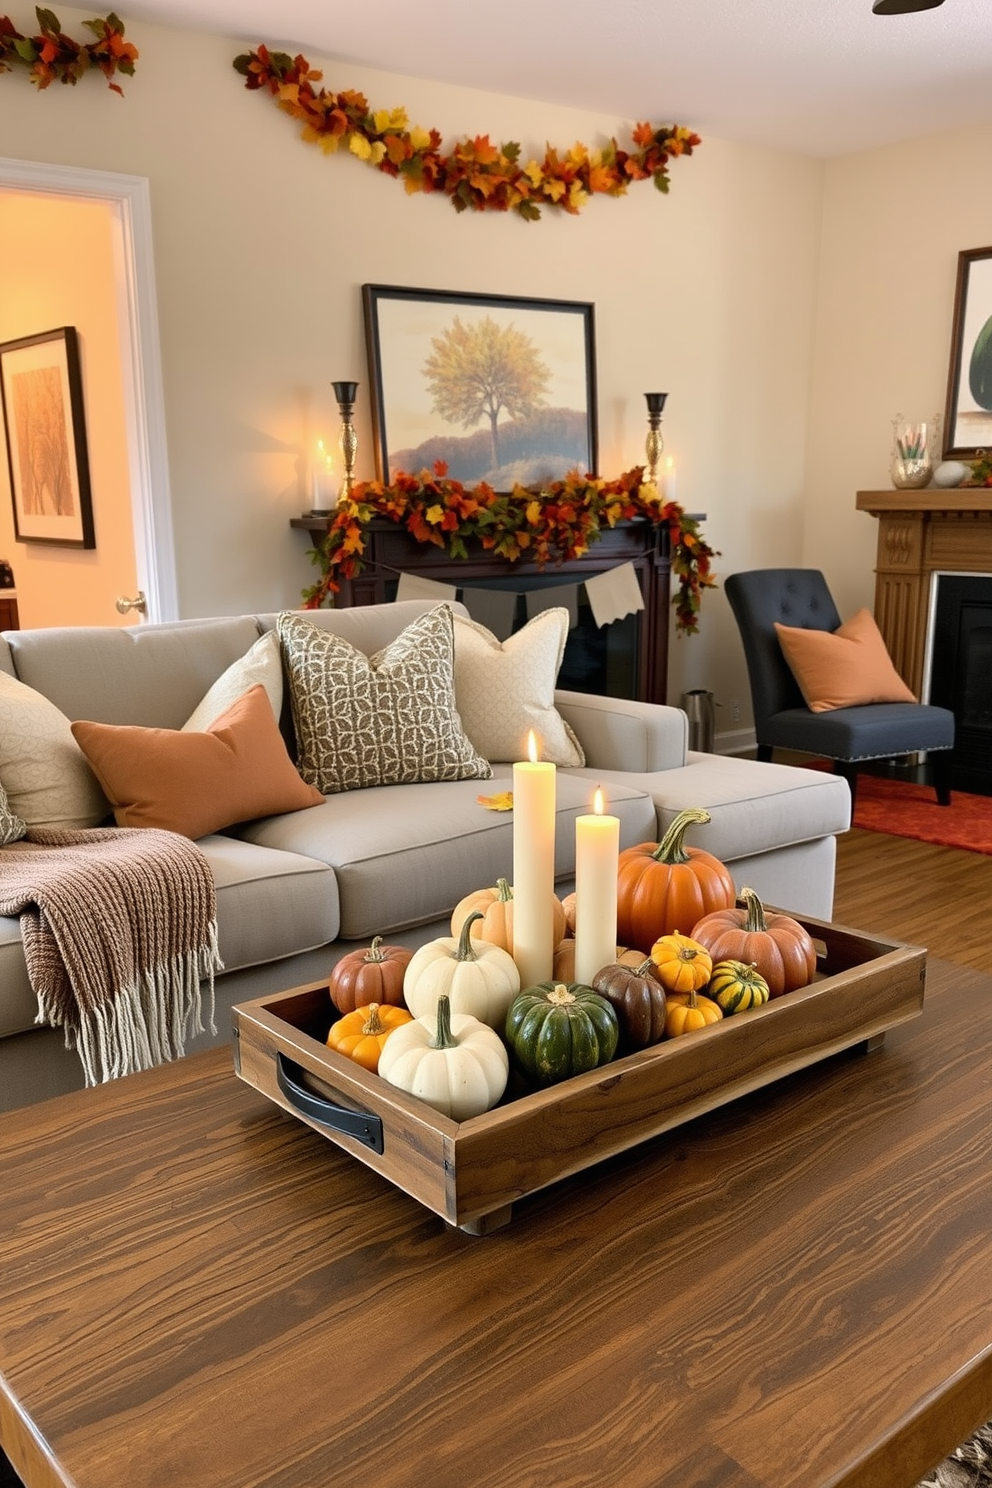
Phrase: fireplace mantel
x=922 y=532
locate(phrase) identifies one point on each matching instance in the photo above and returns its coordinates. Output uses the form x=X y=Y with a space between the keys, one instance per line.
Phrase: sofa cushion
x=260 y=665
x=195 y=783
x=505 y=689
x=388 y=719
x=44 y=772
x=843 y=668
x=12 y=829
x=405 y=855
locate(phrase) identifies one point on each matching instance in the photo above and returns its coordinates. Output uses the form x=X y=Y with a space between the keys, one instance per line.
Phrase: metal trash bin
x=700 y=709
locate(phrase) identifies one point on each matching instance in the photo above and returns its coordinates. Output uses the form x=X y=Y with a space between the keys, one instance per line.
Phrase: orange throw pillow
x=842 y=668
x=195 y=783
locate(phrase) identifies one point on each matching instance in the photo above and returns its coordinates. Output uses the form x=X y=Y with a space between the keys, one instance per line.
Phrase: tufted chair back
x=792 y=596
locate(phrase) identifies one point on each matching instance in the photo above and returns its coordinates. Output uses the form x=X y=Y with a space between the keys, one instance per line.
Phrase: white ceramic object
x=950 y=473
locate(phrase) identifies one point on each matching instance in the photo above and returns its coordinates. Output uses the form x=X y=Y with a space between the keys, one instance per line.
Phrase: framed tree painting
x=968 y=423
x=41 y=392
x=501 y=389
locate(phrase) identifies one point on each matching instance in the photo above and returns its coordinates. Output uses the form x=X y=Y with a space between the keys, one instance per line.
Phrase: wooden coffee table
x=796 y=1289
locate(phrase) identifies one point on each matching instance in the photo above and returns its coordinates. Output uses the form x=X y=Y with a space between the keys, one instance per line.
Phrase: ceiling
x=821 y=77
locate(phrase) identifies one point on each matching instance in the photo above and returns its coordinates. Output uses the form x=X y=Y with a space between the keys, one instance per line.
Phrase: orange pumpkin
x=375 y=975
x=780 y=947
x=681 y=964
x=687 y=1012
x=360 y=1035
x=495 y=905
x=665 y=886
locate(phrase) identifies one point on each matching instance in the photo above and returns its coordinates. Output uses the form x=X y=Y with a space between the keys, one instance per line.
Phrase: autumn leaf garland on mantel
x=553 y=523
x=54 y=57
x=476 y=174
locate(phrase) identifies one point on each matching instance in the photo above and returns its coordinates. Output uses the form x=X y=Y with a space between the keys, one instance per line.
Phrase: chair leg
x=942 y=770
x=849 y=770
x=764 y=753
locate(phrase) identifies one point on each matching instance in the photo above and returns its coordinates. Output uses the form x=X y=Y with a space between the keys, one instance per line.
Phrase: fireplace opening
x=961 y=673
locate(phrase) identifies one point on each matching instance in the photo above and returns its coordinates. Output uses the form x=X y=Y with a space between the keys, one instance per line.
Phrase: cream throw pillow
x=842 y=668
x=504 y=689
x=12 y=829
x=388 y=719
x=261 y=664
x=45 y=773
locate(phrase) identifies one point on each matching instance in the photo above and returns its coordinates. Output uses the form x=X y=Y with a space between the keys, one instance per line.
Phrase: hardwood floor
x=938 y=897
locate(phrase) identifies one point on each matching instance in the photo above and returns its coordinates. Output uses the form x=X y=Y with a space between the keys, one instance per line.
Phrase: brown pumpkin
x=779 y=947
x=495 y=905
x=638 y=1000
x=374 y=975
x=665 y=886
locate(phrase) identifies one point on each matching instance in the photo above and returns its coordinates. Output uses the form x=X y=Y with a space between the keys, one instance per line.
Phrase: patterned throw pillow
x=504 y=690
x=388 y=719
x=12 y=829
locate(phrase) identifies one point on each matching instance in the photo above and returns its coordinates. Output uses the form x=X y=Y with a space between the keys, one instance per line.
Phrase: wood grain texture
x=793 y=1290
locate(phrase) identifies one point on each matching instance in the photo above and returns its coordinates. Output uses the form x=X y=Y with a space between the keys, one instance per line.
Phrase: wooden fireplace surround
x=920 y=533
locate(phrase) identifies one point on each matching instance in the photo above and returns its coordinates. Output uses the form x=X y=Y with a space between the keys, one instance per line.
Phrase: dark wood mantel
x=391 y=551
x=922 y=532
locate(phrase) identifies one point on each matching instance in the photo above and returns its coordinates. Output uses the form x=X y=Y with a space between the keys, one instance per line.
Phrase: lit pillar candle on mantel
x=668 y=479
x=597 y=853
x=533 y=866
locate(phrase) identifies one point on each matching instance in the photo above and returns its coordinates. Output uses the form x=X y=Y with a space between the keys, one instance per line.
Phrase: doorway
x=143 y=524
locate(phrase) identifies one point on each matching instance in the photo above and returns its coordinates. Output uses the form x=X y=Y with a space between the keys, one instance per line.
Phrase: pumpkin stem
x=755 y=921
x=671 y=848
x=373 y=953
x=646 y=967
x=503 y=891
x=559 y=996
x=443 y=1038
x=373 y=1025
x=465 y=951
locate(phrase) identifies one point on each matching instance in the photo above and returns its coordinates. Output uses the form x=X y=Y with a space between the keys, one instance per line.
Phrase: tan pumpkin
x=782 y=950
x=373 y=975
x=564 y=959
x=495 y=906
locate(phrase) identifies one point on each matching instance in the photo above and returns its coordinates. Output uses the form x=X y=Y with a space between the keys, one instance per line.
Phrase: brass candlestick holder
x=654 y=444
x=345 y=393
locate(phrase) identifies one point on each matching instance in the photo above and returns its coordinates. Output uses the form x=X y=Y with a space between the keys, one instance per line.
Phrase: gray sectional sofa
x=295 y=891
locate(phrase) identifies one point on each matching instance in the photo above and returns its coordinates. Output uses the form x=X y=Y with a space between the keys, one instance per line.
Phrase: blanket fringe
x=135 y=1031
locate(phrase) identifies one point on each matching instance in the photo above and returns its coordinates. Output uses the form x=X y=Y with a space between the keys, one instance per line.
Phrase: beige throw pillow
x=260 y=665
x=45 y=773
x=505 y=689
x=388 y=719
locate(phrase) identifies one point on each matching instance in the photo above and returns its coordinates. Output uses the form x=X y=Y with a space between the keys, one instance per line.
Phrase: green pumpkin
x=557 y=1029
x=736 y=986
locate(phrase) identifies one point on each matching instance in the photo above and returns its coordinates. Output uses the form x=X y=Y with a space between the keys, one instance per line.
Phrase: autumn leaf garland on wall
x=54 y=57
x=551 y=524
x=476 y=174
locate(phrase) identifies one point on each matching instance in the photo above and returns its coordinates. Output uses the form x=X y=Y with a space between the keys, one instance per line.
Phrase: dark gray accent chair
x=847 y=736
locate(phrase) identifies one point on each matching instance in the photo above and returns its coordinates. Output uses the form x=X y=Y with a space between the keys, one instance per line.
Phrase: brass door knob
x=137 y=603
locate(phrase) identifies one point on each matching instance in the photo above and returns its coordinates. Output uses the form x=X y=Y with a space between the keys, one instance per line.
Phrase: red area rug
x=904 y=809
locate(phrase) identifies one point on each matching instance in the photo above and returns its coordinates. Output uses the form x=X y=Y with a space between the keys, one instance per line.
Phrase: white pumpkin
x=479 y=978
x=451 y=1061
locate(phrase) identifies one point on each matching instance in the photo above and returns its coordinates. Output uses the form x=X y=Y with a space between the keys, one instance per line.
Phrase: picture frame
x=968 y=416
x=530 y=420
x=41 y=395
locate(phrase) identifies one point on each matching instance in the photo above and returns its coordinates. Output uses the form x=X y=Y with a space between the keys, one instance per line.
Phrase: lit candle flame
x=533 y=747
x=597 y=801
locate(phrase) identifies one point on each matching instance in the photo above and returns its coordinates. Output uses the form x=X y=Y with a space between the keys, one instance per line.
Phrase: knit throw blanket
x=119 y=926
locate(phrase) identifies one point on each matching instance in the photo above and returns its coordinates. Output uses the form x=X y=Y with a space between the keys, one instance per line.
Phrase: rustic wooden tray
x=470 y=1172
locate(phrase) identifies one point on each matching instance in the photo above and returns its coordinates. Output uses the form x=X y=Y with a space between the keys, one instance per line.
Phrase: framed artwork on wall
x=968 y=421
x=41 y=393
x=501 y=389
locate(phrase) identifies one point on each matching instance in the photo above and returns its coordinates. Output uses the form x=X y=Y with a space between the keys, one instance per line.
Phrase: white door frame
x=141 y=366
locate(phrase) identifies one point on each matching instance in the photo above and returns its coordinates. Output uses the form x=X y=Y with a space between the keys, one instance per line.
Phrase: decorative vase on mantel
x=912 y=452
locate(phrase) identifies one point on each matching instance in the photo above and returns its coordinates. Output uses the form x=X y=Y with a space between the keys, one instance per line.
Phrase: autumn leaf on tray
x=501 y=802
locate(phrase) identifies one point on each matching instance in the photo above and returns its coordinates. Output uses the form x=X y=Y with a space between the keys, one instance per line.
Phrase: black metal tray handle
x=361 y=1125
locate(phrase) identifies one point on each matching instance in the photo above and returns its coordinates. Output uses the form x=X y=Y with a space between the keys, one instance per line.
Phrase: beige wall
x=262 y=245
x=57 y=268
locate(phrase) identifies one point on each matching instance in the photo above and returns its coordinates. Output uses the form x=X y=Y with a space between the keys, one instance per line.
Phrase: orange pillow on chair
x=195 y=783
x=842 y=668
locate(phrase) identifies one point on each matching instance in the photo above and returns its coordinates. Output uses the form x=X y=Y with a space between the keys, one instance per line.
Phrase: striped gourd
x=735 y=986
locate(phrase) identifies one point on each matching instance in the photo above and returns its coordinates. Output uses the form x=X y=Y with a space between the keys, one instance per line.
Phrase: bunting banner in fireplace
x=611 y=596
